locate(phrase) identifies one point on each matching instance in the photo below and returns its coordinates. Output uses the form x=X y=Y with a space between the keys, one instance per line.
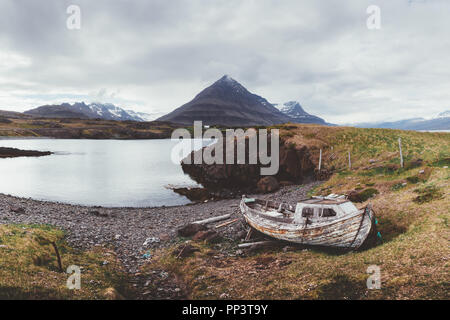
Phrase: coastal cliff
x=295 y=167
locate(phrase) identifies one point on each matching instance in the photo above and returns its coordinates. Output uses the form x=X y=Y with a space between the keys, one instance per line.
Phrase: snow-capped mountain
x=95 y=110
x=145 y=116
x=294 y=110
x=445 y=114
x=107 y=111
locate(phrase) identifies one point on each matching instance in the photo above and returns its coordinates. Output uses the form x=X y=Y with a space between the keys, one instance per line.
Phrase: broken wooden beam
x=214 y=219
x=249 y=235
x=226 y=223
x=256 y=244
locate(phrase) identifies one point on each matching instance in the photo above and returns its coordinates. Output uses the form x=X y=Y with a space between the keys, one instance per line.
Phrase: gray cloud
x=156 y=55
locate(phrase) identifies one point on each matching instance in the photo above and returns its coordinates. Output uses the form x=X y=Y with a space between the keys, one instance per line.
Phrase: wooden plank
x=256 y=244
x=226 y=223
x=249 y=234
x=214 y=219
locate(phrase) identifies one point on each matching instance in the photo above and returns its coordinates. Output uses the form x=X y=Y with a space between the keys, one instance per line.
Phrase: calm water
x=112 y=173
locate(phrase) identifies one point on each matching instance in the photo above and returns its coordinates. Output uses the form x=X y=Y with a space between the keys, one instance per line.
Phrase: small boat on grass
x=331 y=221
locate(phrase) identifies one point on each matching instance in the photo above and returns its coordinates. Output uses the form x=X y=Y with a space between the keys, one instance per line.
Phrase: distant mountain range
x=440 y=122
x=81 y=110
x=228 y=103
x=295 y=111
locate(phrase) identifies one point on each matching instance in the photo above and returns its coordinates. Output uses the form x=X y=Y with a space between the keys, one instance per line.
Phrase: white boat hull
x=347 y=232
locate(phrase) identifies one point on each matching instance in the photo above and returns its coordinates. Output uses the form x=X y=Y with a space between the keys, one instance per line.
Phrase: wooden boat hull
x=351 y=232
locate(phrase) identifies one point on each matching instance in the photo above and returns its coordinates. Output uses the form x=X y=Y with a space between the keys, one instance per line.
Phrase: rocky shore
x=14 y=153
x=133 y=232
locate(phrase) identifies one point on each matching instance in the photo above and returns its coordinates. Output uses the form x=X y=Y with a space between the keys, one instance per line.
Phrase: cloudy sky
x=156 y=55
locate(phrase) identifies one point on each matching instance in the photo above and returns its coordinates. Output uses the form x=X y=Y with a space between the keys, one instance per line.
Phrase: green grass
x=29 y=267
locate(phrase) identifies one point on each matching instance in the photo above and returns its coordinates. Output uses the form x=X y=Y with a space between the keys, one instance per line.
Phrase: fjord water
x=110 y=173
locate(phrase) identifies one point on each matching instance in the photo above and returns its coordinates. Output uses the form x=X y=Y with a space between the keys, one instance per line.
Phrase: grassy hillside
x=412 y=205
x=29 y=267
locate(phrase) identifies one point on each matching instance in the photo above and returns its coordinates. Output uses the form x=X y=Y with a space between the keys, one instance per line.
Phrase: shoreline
x=82 y=206
x=126 y=229
x=6 y=152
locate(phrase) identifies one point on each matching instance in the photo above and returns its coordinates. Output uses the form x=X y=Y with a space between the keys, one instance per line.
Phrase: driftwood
x=226 y=223
x=249 y=234
x=214 y=219
x=256 y=244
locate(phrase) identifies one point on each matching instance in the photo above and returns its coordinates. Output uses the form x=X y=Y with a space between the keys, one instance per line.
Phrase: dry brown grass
x=413 y=257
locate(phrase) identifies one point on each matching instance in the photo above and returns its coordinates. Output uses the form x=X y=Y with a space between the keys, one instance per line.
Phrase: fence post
x=320 y=160
x=349 y=160
x=401 y=153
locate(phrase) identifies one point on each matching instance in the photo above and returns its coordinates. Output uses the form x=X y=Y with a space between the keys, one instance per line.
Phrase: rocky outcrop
x=194 y=194
x=295 y=166
x=190 y=229
x=13 y=153
x=267 y=185
x=209 y=236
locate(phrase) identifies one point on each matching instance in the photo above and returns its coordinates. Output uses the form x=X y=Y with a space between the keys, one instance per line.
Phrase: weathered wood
x=214 y=219
x=320 y=160
x=249 y=234
x=345 y=230
x=255 y=244
x=226 y=223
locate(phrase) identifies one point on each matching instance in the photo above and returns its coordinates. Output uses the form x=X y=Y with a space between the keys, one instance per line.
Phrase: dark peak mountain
x=294 y=110
x=228 y=89
x=229 y=82
x=95 y=110
x=227 y=102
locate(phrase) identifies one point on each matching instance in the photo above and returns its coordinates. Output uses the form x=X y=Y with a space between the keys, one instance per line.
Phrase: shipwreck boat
x=331 y=221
